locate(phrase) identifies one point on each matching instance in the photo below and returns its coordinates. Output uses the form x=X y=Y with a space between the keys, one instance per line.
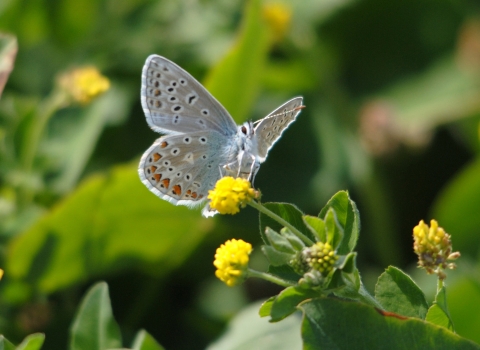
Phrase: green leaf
x=286 y=211
x=144 y=341
x=335 y=324
x=287 y=301
x=243 y=65
x=398 y=293
x=333 y=230
x=5 y=344
x=266 y=307
x=348 y=217
x=110 y=222
x=456 y=208
x=296 y=242
x=8 y=51
x=31 y=342
x=247 y=330
x=278 y=241
x=275 y=257
x=436 y=316
x=285 y=272
x=94 y=327
x=81 y=134
x=438 y=313
x=316 y=226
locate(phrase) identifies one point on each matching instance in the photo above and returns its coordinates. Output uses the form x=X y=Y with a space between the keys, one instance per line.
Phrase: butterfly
x=201 y=141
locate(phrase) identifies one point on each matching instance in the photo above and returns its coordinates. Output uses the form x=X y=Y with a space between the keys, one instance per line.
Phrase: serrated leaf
x=398 y=293
x=348 y=217
x=144 y=341
x=335 y=324
x=278 y=241
x=289 y=213
x=275 y=257
x=287 y=301
x=316 y=226
x=243 y=65
x=32 y=342
x=94 y=327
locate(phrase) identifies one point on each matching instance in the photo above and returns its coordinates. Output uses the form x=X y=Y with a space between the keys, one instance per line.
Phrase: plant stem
x=439 y=285
x=34 y=135
x=268 y=277
x=282 y=222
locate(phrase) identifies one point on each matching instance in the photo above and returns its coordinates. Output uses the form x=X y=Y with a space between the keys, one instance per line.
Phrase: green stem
x=268 y=277
x=32 y=140
x=282 y=222
x=439 y=285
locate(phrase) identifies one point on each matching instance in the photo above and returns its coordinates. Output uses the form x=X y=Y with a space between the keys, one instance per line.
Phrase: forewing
x=175 y=102
x=269 y=129
x=183 y=168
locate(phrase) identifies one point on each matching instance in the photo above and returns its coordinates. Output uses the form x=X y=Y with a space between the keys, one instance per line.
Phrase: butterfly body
x=202 y=143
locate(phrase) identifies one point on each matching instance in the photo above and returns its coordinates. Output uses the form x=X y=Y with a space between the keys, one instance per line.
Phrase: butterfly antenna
x=276 y=115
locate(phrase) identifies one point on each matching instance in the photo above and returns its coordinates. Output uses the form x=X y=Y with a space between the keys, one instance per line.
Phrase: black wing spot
x=158 y=75
x=191 y=98
x=187 y=140
x=173 y=99
x=175 y=151
x=176 y=119
x=205 y=112
x=204 y=156
x=170 y=89
x=203 y=140
x=177 y=108
x=183 y=81
x=173 y=83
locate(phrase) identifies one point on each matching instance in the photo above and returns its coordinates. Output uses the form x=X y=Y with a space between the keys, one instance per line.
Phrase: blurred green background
x=392 y=91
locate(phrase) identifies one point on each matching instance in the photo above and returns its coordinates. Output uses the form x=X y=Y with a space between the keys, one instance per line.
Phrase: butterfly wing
x=175 y=102
x=182 y=168
x=269 y=129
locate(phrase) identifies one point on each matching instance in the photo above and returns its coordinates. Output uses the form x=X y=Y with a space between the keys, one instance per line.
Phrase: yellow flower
x=229 y=194
x=231 y=261
x=278 y=17
x=1 y=274
x=321 y=257
x=84 y=84
x=434 y=248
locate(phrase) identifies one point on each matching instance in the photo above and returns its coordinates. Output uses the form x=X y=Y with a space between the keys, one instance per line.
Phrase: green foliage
x=327 y=321
x=392 y=117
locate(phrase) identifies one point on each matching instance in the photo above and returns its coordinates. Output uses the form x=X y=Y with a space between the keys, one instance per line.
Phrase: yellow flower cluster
x=230 y=194
x=1 y=274
x=231 y=261
x=434 y=248
x=84 y=84
x=321 y=257
x=278 y=18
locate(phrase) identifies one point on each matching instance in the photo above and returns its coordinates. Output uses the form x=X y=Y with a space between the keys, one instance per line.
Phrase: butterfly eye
x=244 y=129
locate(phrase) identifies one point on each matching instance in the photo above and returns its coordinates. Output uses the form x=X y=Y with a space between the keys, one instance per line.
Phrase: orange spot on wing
x=153 y=168
x=194 y=195
x=166 y=183
x=177 y=190
x=200 y=197
x=164 y=144
x=157 y=177
x=156 y=156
